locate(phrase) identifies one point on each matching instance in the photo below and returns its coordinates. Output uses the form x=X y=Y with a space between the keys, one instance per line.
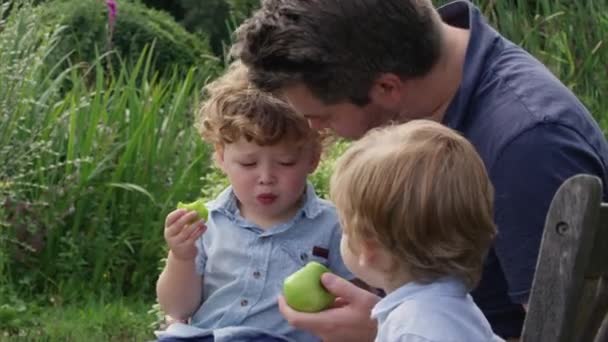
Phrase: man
x=353 y=65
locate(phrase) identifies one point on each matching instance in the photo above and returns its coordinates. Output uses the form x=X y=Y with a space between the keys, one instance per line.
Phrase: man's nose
x=316 y=124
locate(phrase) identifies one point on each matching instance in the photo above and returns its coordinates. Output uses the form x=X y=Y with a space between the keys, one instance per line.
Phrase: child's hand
x=182 y=228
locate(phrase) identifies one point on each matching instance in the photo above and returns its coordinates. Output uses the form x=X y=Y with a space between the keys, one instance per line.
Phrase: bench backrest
x=569 y=297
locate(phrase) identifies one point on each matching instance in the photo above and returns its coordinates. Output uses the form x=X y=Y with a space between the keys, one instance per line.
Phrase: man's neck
x=435 y=91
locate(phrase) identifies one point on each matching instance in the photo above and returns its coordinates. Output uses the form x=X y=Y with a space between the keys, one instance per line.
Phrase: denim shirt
x=441 y=311
x=244 y=267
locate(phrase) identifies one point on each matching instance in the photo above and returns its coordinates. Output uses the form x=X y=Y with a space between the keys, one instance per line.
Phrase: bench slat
x=563 y=259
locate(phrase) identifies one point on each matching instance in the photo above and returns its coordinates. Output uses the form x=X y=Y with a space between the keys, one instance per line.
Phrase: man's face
x=345 y=118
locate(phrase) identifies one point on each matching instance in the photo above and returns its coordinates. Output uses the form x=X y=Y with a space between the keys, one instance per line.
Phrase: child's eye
x=247 y=164
x=288 y=163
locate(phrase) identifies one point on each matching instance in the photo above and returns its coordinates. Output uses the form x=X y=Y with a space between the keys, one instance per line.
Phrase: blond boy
x=227 y=273
x=416 y=207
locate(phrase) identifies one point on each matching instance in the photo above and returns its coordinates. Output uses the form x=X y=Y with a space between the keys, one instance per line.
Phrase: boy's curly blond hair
x=235 y=109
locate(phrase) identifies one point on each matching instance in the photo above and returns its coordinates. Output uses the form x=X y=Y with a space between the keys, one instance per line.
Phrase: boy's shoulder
x=438 y=319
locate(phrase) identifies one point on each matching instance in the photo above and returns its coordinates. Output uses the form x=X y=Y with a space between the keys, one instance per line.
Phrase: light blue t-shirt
x=244 y=268
x=441 y=311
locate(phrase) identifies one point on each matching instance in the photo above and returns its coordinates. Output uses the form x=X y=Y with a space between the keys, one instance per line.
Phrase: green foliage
x=88 y=171
x=320 y=178
x=210 y=18
x=27 y=100
x=88 y=34
x=93 y=320
x=242 y=9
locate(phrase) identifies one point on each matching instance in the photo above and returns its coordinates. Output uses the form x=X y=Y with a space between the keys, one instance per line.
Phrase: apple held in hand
x=198 y=206
x=303 y=289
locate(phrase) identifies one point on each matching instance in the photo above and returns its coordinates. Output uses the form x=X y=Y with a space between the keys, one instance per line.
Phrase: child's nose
x=267 y=175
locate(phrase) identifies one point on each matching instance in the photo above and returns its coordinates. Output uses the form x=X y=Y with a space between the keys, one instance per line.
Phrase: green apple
x=198 y=206
x=303 y=289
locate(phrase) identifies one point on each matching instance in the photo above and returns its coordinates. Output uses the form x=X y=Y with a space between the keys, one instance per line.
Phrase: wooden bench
x=569 y=297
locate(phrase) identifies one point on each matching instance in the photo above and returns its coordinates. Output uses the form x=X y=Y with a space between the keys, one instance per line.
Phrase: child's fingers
x=178 y=226
x=174 y=216
x=186 y=233
x=197 y=230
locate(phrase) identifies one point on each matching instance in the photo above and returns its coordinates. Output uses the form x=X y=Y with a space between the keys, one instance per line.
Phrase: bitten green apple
x=198 y=206
x=303 y=289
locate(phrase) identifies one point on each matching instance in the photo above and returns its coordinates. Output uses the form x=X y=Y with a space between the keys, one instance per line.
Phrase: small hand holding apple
x=303 y=290
x=183 y=226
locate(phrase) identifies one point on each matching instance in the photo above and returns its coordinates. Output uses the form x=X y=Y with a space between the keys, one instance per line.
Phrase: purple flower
x=112 y=10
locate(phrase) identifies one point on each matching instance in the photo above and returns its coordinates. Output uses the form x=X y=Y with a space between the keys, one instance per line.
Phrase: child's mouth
x=266 y=198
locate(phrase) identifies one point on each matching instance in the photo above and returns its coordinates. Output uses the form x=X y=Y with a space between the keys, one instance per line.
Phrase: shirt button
x=244 y=302
x=256 y=274
x=303 y=256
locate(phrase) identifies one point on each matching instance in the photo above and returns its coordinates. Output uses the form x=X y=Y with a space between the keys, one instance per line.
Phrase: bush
x=208 y=18
x=215 y=19
x=87 y=34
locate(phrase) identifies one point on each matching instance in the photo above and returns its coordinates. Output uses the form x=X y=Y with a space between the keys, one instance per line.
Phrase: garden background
x=97 y=143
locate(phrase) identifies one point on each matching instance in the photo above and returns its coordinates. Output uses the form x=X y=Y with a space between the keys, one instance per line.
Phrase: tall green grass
x=90 y=162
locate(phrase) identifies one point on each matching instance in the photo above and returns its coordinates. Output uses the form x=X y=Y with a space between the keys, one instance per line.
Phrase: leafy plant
x=209 y=18
x=87 y=34
x=91 y=161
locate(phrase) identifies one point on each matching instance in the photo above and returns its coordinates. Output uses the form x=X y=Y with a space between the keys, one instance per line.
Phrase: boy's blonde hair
x=421 y=191
x=235 y=109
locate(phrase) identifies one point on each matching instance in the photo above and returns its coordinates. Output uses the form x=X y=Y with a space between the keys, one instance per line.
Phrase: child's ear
x=374 y=256
x=369 y=253
x=218 y=155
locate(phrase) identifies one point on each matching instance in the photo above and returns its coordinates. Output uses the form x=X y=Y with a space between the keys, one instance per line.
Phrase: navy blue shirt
x=532 y=134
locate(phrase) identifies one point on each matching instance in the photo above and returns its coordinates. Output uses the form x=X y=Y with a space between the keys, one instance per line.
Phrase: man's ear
x=387 y=90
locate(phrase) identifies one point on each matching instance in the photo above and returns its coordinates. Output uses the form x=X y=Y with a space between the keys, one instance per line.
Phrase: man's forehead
x=305 y=103
x=299 y=94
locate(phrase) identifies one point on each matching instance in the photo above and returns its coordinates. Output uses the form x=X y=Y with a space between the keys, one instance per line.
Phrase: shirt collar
x=446 y=287
x=226 y=203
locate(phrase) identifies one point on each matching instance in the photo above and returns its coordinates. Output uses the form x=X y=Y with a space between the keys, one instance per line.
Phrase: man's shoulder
x=513 y=74
x=515 y=95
